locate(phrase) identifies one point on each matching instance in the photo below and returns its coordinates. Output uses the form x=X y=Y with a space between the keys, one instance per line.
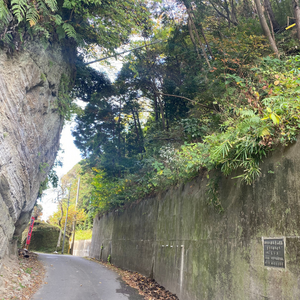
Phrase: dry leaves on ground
x=147 y=287
x=20 y=277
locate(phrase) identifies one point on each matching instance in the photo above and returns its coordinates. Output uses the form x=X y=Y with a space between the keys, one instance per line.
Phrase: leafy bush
x=258 y=112
x=83 y=234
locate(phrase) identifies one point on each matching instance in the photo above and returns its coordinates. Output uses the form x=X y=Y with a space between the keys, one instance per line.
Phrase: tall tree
x=265 y=26
x=271 y=15
x=297 y=16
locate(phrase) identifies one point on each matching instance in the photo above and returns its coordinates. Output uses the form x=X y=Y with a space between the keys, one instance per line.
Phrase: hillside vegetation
x=210 y=85
x=218 y=91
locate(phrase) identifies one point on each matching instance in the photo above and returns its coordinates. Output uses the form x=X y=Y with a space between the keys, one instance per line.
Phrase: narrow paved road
x=75 y=278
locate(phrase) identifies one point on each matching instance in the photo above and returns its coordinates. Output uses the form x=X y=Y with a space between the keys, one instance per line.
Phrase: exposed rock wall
x=30 y=128
x=197 y=253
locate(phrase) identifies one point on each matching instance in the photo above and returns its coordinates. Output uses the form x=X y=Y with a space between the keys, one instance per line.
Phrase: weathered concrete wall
x=30 y=127
x=82 y=248
x=197 y=253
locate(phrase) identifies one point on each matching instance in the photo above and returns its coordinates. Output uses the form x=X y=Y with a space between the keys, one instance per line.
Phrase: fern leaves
x=32 y=16
x=19 y=8
x=32 y=12
x=57 y=19
x=38 y=28
x=69 y=30
x=4 y=13
x=22 y=8
x=52 y=4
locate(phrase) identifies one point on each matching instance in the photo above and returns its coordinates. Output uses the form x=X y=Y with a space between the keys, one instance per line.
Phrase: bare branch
x=177 y=96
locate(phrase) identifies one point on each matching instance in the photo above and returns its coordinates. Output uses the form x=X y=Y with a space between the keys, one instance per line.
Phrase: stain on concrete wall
x=197 y=253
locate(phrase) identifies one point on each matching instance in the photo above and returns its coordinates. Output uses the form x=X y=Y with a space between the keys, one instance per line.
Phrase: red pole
x=29 y=233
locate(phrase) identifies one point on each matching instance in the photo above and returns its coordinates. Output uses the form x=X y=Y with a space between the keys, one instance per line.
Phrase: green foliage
x=69 y=29
x=32 y=14
x=19 y=8
x=64 y=103
x=179 y=107
x=83 y=22
x=250 y=130
x=85 y=195
x=83 y=234
x=212 y=193
x=105 y=195
x=267 y=114
x=51 y=179
x=4 y=12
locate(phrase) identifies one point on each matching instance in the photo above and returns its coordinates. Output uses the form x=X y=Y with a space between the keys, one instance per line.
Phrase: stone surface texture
x=198 y=253
x=30 y=128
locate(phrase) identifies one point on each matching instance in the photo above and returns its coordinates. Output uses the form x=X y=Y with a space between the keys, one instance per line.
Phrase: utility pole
x=74 y=222
x=59 y=222
x=63 y=245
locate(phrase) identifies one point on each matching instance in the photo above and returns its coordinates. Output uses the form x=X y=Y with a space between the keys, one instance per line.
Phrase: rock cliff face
x=30 y=127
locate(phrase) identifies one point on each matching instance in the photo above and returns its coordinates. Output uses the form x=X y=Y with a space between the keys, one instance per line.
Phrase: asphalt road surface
x=75 y=278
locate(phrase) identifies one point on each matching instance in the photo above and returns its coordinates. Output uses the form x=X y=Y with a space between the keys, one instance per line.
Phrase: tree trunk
x=59 y=224
x=233 y=12
x=193 y=37
x=156 y=107
x=247 y=11
x=119 y=131
x=141 y=133
x=192 y=26
x=206 y=42
x=271 y=24
x=163 y=121
x=265 y=26
x=225 y=7
x=268 y=8
x=135 y=125
x=297 y=16
x=199 y=40
x=203 y=34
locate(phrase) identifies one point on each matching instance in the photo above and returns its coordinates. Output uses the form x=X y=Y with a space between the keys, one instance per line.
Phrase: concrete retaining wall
x=197 y=253
x=82 y=248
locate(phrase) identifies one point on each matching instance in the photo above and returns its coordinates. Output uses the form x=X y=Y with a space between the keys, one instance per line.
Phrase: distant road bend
x=75 y=278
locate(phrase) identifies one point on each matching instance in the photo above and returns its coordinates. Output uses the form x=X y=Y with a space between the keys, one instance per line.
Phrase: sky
x=70 y=157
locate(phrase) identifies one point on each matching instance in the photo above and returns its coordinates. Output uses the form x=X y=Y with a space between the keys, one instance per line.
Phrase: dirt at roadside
x=147 y=287
x=20 y=277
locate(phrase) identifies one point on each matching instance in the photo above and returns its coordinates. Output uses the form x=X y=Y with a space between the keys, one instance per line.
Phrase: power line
x=104 y=58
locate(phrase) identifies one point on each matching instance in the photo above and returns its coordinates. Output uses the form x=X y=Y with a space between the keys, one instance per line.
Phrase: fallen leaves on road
x=20 y=277
x=147 y=287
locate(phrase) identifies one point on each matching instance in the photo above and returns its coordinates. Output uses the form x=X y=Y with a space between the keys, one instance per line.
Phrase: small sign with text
x=274 y=252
